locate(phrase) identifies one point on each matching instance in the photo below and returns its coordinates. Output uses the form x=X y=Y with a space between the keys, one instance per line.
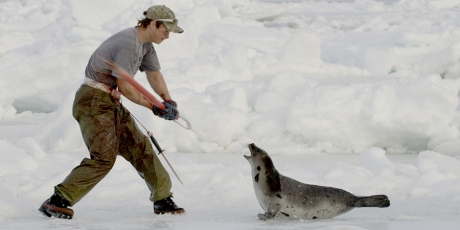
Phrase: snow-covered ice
x=356 y=94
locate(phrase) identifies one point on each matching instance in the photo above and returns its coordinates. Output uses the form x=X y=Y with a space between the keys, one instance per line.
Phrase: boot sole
x=50 y=210
x=178 y=212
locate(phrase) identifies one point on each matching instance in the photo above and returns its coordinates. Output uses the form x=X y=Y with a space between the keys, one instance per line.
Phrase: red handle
x=134 y=83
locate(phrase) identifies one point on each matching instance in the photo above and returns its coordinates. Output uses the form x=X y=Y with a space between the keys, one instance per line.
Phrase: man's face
x=159 y=34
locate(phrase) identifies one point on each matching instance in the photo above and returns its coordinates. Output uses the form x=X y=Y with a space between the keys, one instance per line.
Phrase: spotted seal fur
x=281 y=195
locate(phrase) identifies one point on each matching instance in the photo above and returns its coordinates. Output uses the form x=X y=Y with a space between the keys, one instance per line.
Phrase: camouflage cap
x=165 y=15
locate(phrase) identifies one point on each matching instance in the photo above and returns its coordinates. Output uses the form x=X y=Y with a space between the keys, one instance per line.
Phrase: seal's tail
x=380 y=201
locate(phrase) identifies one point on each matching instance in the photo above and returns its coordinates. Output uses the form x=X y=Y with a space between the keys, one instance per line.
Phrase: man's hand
x=169 y=113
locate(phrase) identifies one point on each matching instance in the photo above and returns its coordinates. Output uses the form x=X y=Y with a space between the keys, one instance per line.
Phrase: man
x=106 y=125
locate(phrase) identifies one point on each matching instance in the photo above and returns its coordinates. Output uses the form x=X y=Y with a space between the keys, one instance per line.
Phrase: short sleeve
x=150 y=60
x=127 y=60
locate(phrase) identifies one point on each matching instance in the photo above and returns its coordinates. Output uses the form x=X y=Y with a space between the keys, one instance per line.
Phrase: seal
x=282 y=196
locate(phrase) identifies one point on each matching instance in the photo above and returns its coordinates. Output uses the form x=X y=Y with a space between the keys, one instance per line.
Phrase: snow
x=356 y=94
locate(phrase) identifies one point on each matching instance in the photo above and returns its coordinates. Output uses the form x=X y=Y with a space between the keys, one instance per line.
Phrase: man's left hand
x=169 y=113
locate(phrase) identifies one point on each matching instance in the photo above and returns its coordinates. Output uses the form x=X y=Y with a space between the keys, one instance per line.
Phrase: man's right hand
x=169 y=113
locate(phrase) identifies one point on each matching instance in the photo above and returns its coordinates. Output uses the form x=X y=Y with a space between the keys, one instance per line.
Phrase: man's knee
x=105 y=164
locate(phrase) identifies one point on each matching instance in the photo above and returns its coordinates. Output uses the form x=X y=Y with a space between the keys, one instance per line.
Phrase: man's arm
x=158 y=84
x=133 y=94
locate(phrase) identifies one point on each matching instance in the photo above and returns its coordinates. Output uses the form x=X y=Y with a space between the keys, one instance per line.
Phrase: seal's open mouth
x=251 y=147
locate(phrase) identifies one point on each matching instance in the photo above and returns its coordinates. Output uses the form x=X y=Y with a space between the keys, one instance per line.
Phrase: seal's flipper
x=266 y=216
x=379 y=201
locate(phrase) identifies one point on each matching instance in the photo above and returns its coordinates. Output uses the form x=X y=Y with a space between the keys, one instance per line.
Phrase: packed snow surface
x=356 y=94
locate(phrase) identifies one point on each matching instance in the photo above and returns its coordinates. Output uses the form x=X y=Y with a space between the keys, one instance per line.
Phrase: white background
x=360 y=95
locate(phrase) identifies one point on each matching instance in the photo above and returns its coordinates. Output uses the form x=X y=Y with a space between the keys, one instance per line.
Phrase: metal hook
x=187 y=125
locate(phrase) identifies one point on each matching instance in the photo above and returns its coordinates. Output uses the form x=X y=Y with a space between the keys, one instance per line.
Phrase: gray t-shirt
x=125 y=49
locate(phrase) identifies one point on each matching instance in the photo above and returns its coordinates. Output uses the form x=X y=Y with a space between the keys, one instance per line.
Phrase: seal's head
x=265 y=175
x=256 y=152
x=258 y=157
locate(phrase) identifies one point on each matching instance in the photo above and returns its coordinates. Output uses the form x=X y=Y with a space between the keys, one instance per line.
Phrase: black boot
x=56 y=206
x=167 y=206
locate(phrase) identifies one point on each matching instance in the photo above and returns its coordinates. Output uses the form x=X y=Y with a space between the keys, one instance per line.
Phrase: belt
x=103 y=87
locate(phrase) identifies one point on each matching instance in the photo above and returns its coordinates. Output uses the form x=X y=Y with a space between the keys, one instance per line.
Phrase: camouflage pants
x=108 y=130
